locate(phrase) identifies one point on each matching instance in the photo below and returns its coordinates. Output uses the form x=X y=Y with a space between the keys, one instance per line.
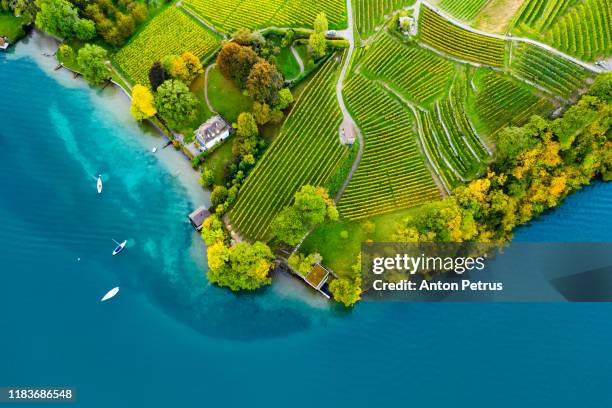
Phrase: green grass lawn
x=340 y=254
x=218 y=160
x=226 y=97
x=287 y=64
x=197 y=87
x=10 y=26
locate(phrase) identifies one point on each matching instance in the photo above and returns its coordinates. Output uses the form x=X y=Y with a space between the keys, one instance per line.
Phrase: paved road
x=591 y=67
x=348 y=126
x=298 y=59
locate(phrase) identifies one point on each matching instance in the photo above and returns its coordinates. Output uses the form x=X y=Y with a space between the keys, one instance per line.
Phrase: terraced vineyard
x=586 y=31
x=540 y=14
x=171 y=32
x=371 y=13
x=417 y=73
x=502 y=101
x=391 y=174
x=463 y=9
x=453 y=146
x=230 y=15
x=444 y=36
x=582 y=28
x=307 y=151
x=560 y=76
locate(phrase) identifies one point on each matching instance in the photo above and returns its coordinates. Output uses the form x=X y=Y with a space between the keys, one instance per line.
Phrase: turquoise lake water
x=169 y=339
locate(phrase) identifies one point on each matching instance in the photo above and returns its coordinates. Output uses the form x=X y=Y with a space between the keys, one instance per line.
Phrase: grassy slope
x=226 y=97
x=10 y=27
x=287 y=64
x=339 y=254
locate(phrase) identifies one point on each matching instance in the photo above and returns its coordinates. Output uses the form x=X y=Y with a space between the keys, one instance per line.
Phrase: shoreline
x=38 y=45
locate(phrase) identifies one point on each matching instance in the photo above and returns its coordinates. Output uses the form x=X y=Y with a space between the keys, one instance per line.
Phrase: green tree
x=285 y=98
x=243 y=36
x=207 y=178
x=242 y=267
x=246 y=125
x=602 y=87
x=213 y=230
x=125 y=25
x=218 y=195
x=265 y=82
x=346 y=291
x=312 y=204
x=289 y=227
x=92 y=62
x=276 y=116
x=65 y=53
x=320 y=23
x=303 y=264
x=84 y=29
x=175 y=103
x=318 y=44
x=310 y=208
x=57 y=17
x=261 y=113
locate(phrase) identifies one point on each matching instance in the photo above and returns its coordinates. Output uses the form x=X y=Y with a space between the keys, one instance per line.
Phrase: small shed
x=4 y=44
x=317 y=276
x=197 y=217
x=407 y=25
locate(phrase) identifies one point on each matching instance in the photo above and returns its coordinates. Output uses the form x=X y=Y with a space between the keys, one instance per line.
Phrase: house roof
x=198 y=216
x=317 y=276
x=212 y=128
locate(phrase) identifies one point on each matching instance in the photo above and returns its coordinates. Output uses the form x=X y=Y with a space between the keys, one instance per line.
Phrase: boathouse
x=4 y=44
x=317 y=277
x=197 y=217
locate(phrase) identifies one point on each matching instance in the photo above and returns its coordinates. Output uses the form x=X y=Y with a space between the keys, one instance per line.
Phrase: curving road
x=348 y=129
x=298 y=59
x=591 y=67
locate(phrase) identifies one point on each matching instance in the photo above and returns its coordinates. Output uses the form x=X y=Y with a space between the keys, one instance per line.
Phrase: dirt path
x=210 y=107
x=297 y=57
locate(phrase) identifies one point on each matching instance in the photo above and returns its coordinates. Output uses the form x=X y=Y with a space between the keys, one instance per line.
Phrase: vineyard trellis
x=458 y=42
x=560 y=76
x=391 y=174
x=230 y=15
x=171 y=32
x=463 y=9
x=307 y=151
x=420 y=74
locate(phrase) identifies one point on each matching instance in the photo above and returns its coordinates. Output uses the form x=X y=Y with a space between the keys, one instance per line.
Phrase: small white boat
x=119 y=247
x=110 y=294
x=99 y=184
x=154 y=149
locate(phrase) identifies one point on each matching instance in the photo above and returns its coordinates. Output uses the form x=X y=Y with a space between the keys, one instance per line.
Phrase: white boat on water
x=119 y=247
x=154 y=149
x=99 y=184
x=110 y=294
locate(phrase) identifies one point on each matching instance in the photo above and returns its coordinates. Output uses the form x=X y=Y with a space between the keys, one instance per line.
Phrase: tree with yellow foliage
x=241 y=267
x=143 y=103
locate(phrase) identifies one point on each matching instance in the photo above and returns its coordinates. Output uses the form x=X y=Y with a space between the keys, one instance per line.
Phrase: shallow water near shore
x=171 y=339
